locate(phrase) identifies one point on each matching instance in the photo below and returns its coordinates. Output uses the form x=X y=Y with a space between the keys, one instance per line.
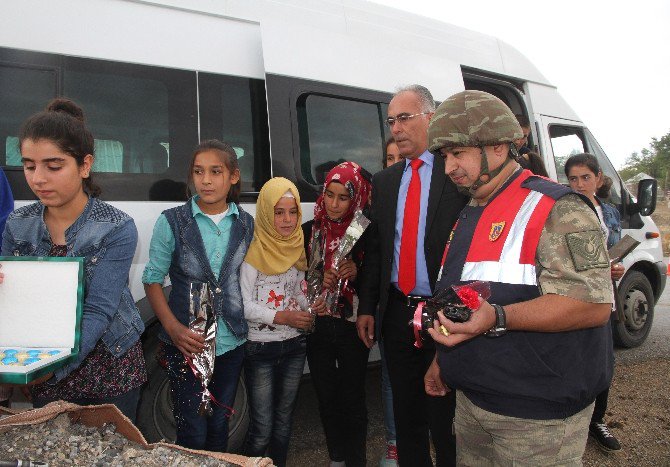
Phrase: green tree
x=654 y=161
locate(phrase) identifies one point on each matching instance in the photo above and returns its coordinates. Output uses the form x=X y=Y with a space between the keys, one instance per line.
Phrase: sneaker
x=391 y=458
x=601 y=434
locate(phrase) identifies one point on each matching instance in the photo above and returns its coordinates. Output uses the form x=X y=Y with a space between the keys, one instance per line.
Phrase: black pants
x=416 y=413
x=601 y=399
x=600 y=407
x=338 y=363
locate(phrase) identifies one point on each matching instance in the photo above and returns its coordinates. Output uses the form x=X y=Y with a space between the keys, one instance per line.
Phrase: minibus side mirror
x=646 y=196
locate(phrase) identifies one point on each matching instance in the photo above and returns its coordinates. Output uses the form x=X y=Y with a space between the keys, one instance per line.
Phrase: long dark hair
x=62 y=123
x=589 y=160
x=229 y=159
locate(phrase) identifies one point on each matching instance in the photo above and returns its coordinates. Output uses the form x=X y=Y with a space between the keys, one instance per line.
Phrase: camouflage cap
x=472 y=118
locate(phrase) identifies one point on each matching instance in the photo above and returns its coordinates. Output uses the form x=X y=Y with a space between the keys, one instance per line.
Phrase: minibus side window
x=565 y=142
x=334 y=130
x=23 y=91
x=234 y=110
x=144 y=121
x=123 y=109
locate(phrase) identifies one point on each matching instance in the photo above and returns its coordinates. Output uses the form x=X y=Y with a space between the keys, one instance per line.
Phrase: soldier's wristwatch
x=500 y=327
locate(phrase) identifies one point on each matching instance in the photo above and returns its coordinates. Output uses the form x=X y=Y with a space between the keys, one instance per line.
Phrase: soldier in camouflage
x=529 y=363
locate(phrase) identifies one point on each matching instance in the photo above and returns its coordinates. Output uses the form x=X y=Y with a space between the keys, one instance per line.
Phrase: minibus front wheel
x=154 y=414
x=637 y=300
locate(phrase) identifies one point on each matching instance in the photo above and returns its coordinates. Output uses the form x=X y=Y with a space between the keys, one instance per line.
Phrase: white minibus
x=294 y=86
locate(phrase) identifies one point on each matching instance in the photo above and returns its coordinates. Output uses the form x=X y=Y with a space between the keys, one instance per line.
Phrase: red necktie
x=410 y=230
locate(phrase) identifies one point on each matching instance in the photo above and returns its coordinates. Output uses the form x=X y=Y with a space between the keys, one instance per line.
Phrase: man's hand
x=432 y=381
x=482 y=319
x=365 y=324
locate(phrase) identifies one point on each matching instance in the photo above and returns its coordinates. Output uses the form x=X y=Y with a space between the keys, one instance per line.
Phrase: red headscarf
x=348 y=174
x=328 y=232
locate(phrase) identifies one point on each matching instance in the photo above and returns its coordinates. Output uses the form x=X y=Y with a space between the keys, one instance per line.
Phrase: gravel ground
x=638 y=415
x=59 y=443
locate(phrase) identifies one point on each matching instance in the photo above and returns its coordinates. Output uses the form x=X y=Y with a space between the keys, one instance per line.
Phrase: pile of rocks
x=60 y=442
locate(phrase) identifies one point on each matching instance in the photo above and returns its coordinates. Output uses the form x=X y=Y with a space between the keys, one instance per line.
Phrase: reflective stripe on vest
x=508 y=256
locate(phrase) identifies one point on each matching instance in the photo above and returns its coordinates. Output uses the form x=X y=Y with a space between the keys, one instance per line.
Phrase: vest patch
x=587 y=250
x=496 y=230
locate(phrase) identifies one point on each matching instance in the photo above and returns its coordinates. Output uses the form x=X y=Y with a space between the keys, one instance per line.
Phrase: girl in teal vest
x=202 y=242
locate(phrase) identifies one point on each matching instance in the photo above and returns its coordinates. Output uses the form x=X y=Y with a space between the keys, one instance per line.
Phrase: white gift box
x=41 y=301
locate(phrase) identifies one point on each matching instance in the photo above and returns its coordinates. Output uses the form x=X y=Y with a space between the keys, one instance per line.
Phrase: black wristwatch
x=500 y=327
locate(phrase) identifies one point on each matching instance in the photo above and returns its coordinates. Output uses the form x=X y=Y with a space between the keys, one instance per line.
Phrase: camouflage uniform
x=571 y=260
x=484 y=438
x=571 y=257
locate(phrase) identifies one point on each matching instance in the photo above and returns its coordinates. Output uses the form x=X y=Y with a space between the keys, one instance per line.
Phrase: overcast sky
x=609 y=59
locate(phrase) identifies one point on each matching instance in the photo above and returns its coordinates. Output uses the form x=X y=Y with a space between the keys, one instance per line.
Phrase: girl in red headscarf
x=337 y=357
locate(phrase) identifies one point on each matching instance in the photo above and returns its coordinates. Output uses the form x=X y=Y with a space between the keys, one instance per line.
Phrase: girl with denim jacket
x=69 y=220
x=203 y=241
x=275 y=308
x=586 y=177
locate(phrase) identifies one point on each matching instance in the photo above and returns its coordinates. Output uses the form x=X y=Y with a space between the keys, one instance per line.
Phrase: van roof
x=293 y=29
x=348 y=42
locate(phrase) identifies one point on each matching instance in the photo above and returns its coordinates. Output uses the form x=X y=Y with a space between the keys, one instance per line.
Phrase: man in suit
x=414 y=207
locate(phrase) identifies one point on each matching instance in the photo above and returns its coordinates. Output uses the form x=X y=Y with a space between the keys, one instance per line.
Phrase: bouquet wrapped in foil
x=456 y=302
x=203 y=321
x=311 y=286
x=353 y=233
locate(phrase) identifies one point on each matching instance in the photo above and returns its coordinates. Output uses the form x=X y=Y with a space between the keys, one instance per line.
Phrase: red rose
x=469 y=297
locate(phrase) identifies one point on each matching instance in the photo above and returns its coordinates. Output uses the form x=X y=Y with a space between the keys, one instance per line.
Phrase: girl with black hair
x=202 y=242
x=69 y=220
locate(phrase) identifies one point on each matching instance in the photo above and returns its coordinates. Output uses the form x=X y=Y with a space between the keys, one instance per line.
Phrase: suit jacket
x=444 y=205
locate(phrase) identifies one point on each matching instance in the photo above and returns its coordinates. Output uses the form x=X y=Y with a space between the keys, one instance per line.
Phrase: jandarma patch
x=587 y=250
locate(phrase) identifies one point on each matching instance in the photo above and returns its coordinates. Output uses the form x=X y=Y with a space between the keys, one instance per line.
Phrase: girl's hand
x=319 y=306
x=296 y=319
x=2 y=276
x=616 y=271
x=25 y=390
x=330 y=279
x=187 y=341
x=347 y=270
x=41 y=380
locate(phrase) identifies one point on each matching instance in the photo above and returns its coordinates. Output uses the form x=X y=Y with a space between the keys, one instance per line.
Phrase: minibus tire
x=637 y=300
x=154 y=414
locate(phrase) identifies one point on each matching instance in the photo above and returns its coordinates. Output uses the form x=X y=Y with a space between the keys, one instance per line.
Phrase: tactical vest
x=533 y=375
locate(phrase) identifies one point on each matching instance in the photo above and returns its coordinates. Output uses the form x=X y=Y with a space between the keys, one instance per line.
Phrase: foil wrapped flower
x=202 y=320
x=354 y=232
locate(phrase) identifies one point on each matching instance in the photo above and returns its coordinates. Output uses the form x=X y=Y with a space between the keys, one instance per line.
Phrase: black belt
x=410 y=301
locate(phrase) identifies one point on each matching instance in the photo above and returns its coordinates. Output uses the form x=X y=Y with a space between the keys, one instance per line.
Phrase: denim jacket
x=612 y=220
x=190 y=264
x=106 y=238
